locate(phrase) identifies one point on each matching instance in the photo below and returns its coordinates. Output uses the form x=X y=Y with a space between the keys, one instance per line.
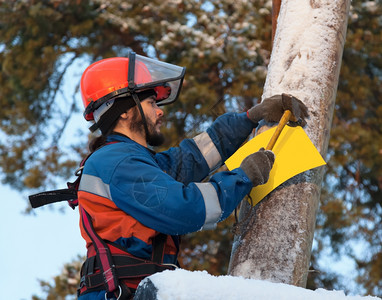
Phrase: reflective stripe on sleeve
x=208 y=150
x=94 y=185
x=211 y=201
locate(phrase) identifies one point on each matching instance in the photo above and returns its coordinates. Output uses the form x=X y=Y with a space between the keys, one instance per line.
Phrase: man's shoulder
x=114 y=153
x=113 y=159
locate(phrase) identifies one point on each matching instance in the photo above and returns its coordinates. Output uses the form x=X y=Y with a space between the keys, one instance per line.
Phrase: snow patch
x=247 y=270
x=185 y=285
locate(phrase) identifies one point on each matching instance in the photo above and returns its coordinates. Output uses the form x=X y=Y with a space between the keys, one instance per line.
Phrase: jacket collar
x=120 y=137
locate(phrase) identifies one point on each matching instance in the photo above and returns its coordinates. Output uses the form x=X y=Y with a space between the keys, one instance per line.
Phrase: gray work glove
x=271 y=109
x=258 y=165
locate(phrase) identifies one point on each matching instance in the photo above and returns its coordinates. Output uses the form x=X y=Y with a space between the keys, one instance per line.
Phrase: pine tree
x=65 y=284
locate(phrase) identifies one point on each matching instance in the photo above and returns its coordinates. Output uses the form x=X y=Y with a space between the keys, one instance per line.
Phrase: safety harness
x=108 y=266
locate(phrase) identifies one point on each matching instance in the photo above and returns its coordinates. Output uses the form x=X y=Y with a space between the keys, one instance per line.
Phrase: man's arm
x=195 y=158
x=160 y=202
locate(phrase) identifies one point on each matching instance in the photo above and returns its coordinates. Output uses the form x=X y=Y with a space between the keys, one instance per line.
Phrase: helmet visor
x=166 y=79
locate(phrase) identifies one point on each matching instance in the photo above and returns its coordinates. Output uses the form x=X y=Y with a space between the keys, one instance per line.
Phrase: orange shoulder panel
x=110 y=222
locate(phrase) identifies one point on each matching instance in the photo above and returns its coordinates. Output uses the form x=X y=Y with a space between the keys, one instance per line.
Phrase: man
x=135 y=203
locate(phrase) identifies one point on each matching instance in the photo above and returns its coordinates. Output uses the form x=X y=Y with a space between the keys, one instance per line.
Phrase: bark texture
x=275 y=238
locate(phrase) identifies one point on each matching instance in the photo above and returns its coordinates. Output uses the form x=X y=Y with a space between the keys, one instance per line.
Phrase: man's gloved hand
x=258 y=165
x=271 y=109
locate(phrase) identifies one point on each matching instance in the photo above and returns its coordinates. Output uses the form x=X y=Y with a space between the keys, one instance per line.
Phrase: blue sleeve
x=184 y=163
x=232 y=187
x=195 y=158
x=160 y=202
x=229 y=132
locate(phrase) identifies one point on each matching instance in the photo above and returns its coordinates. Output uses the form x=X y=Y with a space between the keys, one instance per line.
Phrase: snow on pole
x=274 y=242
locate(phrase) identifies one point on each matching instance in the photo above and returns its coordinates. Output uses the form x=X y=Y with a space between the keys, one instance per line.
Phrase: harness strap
x=158 y=244
x=125 y=268
x=69 y=194
x=103 y=252
x=48 y=197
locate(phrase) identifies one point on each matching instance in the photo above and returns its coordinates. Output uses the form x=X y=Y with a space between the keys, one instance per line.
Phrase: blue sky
x=34 y=246
x=39 y=244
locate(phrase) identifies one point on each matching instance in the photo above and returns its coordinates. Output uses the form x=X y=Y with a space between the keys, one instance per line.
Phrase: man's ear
x=124 y=116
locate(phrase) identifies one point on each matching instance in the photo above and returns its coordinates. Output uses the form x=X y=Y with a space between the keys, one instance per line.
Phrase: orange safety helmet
x=120 y=77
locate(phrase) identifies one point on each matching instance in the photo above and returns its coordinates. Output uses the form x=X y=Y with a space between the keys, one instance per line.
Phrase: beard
x=153 y=138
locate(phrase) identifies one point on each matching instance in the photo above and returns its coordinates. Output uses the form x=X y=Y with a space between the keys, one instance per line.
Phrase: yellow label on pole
x=294 y=154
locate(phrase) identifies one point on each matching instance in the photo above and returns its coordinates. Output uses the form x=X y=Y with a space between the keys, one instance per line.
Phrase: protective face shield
x=166 y=79
x=126 y=82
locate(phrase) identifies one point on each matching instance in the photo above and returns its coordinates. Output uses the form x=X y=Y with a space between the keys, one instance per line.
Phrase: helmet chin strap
x=132 y=85
x=138 y=103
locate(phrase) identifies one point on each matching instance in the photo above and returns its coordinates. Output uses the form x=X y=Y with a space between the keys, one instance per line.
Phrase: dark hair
x=121 y=104
x=99 y=141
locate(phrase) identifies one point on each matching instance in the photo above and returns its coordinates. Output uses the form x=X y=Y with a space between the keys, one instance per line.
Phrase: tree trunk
x=275 y=14
x=275 y=238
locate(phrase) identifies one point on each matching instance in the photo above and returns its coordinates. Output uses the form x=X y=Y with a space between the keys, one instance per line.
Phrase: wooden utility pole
x=275 y=238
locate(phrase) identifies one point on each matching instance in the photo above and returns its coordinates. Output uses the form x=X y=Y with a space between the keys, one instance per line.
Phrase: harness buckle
x=78 y=172
x=171 y=265
x=113 y=298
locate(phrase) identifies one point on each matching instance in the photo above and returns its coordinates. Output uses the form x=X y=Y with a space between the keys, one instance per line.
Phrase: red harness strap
x=103 y=253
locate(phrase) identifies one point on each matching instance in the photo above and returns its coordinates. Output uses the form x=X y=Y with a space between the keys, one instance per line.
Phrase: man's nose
x=159 y=112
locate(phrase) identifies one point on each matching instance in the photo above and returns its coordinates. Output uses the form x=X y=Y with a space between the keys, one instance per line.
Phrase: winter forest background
x=225 y=46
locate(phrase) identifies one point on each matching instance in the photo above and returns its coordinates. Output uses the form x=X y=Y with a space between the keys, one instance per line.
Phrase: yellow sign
x=294 y=154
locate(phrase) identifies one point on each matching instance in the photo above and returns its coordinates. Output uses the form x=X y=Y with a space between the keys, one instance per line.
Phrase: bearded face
x=154 y=137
